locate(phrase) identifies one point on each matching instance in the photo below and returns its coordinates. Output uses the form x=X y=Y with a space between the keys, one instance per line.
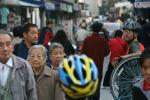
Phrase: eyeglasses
x=33 y=33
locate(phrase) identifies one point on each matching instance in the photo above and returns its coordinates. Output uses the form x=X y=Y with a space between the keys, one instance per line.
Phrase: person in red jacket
x=96 y=47
x=118 y=46
x=46 y=34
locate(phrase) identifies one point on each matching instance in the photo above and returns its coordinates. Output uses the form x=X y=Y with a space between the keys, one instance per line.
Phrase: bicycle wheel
x=123 y=77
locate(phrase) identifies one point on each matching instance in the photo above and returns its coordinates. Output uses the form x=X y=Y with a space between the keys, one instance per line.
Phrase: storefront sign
x=76 y=7
x=63 y=7
x=142 y=4
x=49 y=6
x=66 y=7
x=69 y=8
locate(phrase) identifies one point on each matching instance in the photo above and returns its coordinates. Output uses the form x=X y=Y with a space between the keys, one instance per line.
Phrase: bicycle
x=124 y=76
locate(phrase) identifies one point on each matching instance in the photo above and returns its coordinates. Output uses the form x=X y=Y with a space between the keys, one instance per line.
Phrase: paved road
x=105 y=94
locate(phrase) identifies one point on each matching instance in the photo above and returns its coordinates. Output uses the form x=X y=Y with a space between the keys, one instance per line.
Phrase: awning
x=38 y=3
x=19 y=3
x=26 y=4
x=66 y=7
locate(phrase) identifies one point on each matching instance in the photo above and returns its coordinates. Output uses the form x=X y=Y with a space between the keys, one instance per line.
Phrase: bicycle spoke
x=127 y=91
x=124 y=74
x=128 y=70
x=123 y=78
x=135 y=69
x=125 y=82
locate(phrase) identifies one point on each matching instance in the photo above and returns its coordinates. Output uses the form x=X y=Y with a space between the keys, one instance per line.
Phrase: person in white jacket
x=82 y=33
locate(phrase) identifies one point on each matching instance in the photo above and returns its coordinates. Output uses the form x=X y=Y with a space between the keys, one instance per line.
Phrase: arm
x=118 y=59
x=131 y=55
x=30 y=85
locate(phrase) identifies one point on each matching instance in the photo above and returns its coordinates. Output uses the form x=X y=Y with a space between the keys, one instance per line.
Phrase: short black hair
x=18 y=31
x=118 y=33
x=145 y=55
x=49 y=22
x=96 y=27
x=27 y=26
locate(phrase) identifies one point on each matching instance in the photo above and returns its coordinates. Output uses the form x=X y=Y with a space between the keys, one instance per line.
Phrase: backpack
x=141 y=47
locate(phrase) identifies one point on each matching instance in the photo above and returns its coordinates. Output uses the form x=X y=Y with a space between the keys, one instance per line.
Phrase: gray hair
x=3 y=32
x=55 y=45
x=38 y=46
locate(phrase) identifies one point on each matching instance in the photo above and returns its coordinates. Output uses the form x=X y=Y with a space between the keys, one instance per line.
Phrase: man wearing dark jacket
x=30 y=37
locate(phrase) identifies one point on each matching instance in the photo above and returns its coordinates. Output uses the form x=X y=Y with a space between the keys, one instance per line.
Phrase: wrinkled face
x=146 y=69
x=128 y=35
x=6 y=47
x=57 y=56
x=37 y=58
x=32 y=35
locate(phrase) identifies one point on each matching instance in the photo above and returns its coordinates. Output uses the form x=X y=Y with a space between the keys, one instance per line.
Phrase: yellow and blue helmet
x=79 y=76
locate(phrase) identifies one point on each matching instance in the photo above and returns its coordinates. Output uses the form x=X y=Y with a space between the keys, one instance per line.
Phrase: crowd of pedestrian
x=44 y=66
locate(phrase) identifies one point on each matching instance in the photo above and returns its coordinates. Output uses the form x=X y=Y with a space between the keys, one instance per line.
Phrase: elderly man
x=16 y=76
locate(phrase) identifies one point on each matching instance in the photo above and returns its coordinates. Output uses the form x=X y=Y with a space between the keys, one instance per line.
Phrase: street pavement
x=105 y=94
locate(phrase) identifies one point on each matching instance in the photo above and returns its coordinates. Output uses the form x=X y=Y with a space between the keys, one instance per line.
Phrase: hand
x=115 y=61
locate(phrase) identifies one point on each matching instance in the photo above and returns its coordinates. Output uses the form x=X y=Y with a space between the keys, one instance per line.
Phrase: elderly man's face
x=6 y=47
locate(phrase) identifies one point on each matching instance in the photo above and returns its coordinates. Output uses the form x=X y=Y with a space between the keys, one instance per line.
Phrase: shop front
x=142 y=8
x=15 y=13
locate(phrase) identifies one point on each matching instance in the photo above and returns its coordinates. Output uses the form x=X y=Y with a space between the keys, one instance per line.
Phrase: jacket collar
x=9 y=63
x=47 y=71
x=16 y=63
